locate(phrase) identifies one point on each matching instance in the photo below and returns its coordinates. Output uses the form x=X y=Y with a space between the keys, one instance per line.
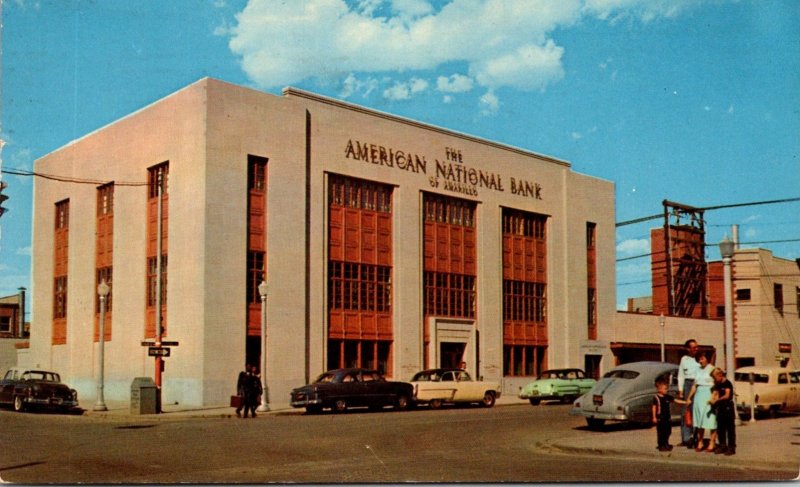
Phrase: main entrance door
x=451 y=354
x=453 y=342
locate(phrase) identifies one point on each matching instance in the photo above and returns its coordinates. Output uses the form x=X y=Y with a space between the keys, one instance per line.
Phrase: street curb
x=743 y=464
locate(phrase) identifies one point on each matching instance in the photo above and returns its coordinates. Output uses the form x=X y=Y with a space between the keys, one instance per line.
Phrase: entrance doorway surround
x=450 y=331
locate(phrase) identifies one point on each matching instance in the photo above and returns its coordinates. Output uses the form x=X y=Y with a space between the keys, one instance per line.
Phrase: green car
x=564 y=385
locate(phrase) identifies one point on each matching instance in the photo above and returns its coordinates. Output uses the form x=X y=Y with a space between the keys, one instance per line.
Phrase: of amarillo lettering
x=455 y=176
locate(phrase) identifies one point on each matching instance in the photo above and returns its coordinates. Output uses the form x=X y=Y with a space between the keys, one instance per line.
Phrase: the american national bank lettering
x=451 y=174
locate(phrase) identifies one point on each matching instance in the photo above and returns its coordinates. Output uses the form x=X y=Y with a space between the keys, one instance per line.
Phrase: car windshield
x=326 y=377
x=41 y=375
x=745 y=377
x=621 y=374
x=552 y=374
x=426 y=376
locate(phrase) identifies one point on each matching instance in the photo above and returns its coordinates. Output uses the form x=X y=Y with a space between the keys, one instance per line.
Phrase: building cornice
x=298 y=93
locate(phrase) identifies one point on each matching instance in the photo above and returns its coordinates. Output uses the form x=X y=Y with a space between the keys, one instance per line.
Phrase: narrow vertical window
x=104 y=253
x=591 y=278
x=158 y=179
x=60 y=280
x=778 y=292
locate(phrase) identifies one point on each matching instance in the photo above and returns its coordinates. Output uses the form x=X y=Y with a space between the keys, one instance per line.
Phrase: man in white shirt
x=687 y=372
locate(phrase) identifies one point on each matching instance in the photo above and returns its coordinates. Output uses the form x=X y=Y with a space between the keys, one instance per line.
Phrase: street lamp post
x=262 y=290
x=662 y=321
x=726 y=248
x=102 y=290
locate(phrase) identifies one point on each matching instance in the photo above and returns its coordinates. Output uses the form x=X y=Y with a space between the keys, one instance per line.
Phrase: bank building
x=383 y=242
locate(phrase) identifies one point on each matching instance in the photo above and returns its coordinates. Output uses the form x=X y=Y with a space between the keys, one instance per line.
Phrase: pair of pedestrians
x=248 y=386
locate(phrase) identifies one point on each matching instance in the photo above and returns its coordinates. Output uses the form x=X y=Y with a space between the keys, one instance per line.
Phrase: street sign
x=158 y=352
x=163 y=344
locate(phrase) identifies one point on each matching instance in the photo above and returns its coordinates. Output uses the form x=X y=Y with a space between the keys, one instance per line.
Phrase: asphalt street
x=517 y=443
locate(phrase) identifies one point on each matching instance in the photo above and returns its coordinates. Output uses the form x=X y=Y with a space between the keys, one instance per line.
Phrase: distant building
x=14 y=329
x=766 y=307
x=385 y=243
x=642 y=304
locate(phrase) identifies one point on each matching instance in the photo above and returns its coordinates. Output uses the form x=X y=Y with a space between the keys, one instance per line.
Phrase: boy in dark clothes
x=722 y=403
x=661 y=415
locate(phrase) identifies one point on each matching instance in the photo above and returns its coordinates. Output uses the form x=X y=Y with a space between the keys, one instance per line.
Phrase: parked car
x=774 y=390
x=625 y=393
x=28 y=388
x=565 y=385
x=438 y=386
x=341 y=389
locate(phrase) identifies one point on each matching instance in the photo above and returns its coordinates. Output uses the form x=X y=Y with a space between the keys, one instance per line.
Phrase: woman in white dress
x=702 y=416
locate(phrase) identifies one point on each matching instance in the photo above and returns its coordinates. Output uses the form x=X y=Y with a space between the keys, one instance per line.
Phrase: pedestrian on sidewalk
x=726 y=419
x=241 y=382
x=687 y=371
x=252 y=391
x=703 y=418
x=661 y=414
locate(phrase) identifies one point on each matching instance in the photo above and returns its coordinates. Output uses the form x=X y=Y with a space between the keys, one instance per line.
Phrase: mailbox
x=145 y=397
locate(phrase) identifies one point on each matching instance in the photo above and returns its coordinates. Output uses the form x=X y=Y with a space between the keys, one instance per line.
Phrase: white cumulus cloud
x=499 y=43
x=634 y=246
x=490 y=104
x=502 y=43
x=405 y=90
x=457 y=83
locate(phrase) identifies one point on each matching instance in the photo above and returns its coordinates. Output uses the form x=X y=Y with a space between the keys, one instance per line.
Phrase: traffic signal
x=3 y=197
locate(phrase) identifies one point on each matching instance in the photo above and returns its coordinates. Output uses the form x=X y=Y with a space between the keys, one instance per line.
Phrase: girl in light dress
x=703 y=417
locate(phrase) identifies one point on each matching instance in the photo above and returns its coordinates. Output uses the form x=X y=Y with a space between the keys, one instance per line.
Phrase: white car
x=773 y=390
x=438 y=386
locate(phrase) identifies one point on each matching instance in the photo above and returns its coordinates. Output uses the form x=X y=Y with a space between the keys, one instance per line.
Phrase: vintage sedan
x=625 y=393
x=25 y=388
x=564 y=385
x=438 y=386
x=341 y=389
x=773 y=390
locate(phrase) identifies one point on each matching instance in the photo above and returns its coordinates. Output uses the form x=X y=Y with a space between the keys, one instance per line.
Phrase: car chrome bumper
x=302 y=403
x=50 y=402
x=598 y=415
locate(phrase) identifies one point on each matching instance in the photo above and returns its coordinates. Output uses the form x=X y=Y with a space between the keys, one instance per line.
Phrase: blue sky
x=688 y=100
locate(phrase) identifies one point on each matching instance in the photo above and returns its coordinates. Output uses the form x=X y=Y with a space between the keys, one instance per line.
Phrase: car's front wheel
x=488 y=399
x=313 y=409
x=340 y=406
x=535 y=401
x=401 y=403
x=19 y=404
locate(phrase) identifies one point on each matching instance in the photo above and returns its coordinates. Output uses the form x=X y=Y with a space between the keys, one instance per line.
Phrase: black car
x=343 y=388
x=24 y=388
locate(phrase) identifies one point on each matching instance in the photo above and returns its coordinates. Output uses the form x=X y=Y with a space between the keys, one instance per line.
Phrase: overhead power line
x=717 y=207
x=68 y=179
x=759 y=242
